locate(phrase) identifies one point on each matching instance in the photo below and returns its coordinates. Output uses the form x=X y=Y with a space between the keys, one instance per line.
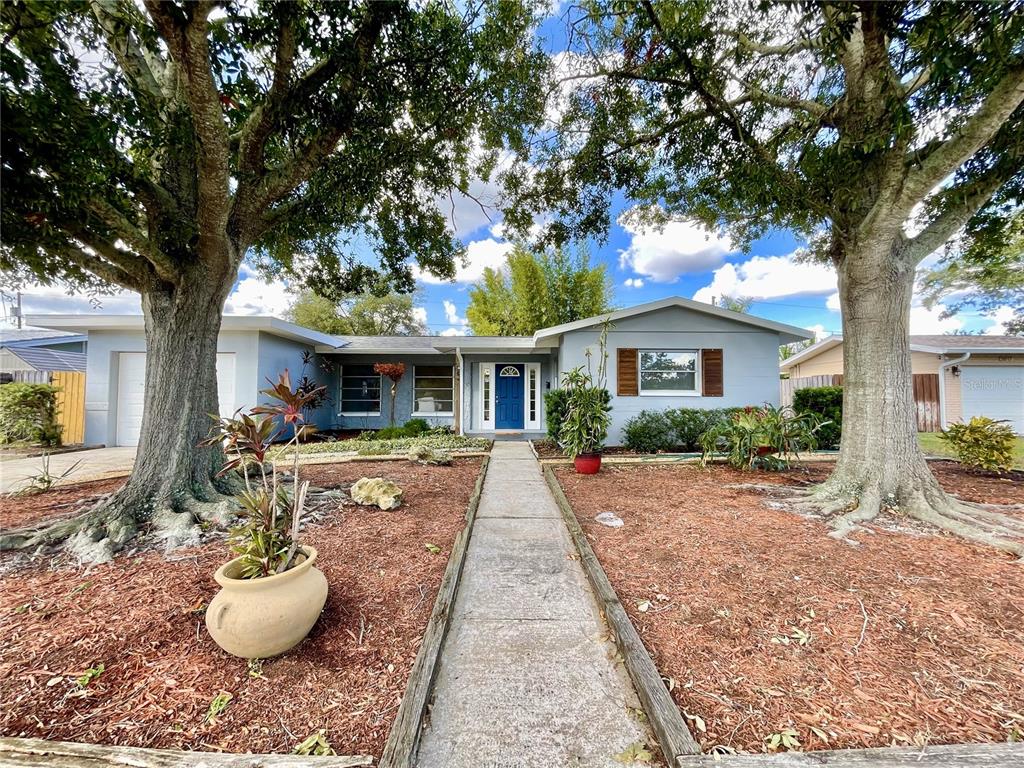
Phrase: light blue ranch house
x=670 y=353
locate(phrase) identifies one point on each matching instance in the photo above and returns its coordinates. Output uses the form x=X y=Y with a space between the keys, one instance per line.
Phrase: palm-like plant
x=765 y=437
x=268 y=539
x=585 y=425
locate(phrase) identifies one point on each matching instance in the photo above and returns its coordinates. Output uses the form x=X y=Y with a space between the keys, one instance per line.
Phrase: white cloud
x=453 y=332
x=480 y=254
x=818 y=330
x=998 y=317
x=419 y=314
x=451 y=313
x=832 y=302
x=634 y=282
x=769 y=277
x=663 y=254
x=254 y=295
x=924 y=320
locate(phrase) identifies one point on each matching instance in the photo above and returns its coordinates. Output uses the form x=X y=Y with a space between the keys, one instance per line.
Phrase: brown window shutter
x=713 y=383
x=626 y=373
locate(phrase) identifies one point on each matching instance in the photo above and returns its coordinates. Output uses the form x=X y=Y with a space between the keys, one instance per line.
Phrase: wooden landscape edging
x=22 y=753
x=938 y=756
x=669 y=727
x=404 y=739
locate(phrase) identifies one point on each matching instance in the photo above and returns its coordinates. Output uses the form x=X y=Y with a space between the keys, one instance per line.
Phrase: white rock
x=610 y=519
x=376 y=491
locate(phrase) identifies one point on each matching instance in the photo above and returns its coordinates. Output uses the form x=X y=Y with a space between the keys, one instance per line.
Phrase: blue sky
x=643 y=265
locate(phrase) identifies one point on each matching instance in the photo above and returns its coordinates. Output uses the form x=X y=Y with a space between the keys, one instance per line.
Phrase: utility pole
x=17 y=309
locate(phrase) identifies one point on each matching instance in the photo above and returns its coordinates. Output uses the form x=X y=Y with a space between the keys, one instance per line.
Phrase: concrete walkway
x=95 y=464
x=528 y=676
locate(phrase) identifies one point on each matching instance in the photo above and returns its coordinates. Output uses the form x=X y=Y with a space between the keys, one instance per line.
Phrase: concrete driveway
x=94 y=464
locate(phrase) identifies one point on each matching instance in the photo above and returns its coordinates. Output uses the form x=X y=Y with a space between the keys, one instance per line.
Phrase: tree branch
x=963 y=201
x=116 y=18
x=997 y=107
x=95 y=265
x=188 y=44
x=136 y=238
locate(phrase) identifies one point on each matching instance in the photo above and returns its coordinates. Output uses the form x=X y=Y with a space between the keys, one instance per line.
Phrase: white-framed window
x=669 y=372
x=486 y=396
x=360 y=391
x=534 y=398
x=509 y=371
x=433 y=389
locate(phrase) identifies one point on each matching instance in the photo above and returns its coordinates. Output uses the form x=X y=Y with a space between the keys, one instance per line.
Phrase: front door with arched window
x=508 y=396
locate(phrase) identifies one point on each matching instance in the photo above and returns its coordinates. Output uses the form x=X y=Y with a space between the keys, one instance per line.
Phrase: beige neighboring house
x=977 y=375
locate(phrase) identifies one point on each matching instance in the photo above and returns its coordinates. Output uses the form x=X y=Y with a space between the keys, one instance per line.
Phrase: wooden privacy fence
x=926 y=395
x=70 y=400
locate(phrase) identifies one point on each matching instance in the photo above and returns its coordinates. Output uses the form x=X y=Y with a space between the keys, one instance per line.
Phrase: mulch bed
x=549 y=449
x=62 y=501
x=141 y=617
x=763 y=623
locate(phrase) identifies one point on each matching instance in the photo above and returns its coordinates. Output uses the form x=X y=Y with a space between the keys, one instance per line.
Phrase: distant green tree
x=537 y=291
x=983 y=269
x=735 y=303
x=360 y=315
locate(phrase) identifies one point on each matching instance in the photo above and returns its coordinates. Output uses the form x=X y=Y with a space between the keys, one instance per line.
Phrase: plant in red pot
x=585 y=425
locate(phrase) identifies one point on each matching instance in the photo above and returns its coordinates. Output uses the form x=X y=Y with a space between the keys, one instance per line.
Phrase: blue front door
x=508 y=396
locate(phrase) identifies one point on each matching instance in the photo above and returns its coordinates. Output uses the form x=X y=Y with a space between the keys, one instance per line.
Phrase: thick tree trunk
x=880 y=463
x=172 y=485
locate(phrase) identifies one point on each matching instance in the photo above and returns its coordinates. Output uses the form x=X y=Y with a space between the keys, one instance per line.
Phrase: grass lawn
x=933 y=446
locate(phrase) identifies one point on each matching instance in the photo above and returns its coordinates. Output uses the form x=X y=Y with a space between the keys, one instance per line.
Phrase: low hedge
x=28 y=413
x=827 y=404
x=675 y=429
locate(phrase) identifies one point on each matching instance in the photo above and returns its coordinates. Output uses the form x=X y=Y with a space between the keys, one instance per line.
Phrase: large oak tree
x=153 y=146
x=877 y=129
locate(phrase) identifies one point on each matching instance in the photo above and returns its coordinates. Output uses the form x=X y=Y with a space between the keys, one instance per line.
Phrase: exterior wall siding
x=102 y=376
x=831 y=361
x=750 y=359
x=274 y=356
x=403 y=396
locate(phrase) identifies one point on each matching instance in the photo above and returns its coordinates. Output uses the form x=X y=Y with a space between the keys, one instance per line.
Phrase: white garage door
x=994 y=391
x=131 y=386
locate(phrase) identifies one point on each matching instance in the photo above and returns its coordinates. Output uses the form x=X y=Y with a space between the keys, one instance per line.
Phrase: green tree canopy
x=153 y=145
x=983 y=269
x=877 y=130
x=537 y=290
x=359 y=315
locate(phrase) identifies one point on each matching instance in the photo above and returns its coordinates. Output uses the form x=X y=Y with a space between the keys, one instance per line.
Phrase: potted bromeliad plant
x=271 y=592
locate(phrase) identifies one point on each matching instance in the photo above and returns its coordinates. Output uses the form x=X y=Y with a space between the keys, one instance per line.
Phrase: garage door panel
x=131 y=392
x=994 y=391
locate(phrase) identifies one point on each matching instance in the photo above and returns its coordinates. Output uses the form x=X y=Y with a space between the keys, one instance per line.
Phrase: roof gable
x=787 y=333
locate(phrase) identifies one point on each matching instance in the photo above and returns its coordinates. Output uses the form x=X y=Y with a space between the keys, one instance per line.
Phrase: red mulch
x=62 y=501
x=940 y=660
x=141 y=616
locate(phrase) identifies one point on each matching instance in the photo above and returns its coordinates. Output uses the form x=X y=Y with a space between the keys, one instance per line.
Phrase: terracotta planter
x=260 y=618
x=587 y=463
x=764 y=450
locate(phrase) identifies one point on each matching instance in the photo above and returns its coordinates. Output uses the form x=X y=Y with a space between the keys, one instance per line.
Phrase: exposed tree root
x=96 y=535
x=847 y=509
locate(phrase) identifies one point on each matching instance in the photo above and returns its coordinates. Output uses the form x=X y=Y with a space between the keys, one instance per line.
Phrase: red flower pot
x=587 y=463
x=764 y=450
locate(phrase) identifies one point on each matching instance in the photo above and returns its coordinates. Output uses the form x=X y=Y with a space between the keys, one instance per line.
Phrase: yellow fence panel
x=70 y=405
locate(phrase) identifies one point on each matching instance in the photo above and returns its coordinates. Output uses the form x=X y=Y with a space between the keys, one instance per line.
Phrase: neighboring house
x=39 y=350
x=976 y=375
x=669 y=353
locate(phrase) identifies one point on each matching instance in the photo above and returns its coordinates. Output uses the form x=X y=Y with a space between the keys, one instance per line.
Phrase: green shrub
x=762 y=437
x=827 y=404
x=414 y=427
x=556 y=403
x=688 y=424
x=28 y=412
x=390 y=433
x=982 y=443
x=649 y=432
x=584 y=427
